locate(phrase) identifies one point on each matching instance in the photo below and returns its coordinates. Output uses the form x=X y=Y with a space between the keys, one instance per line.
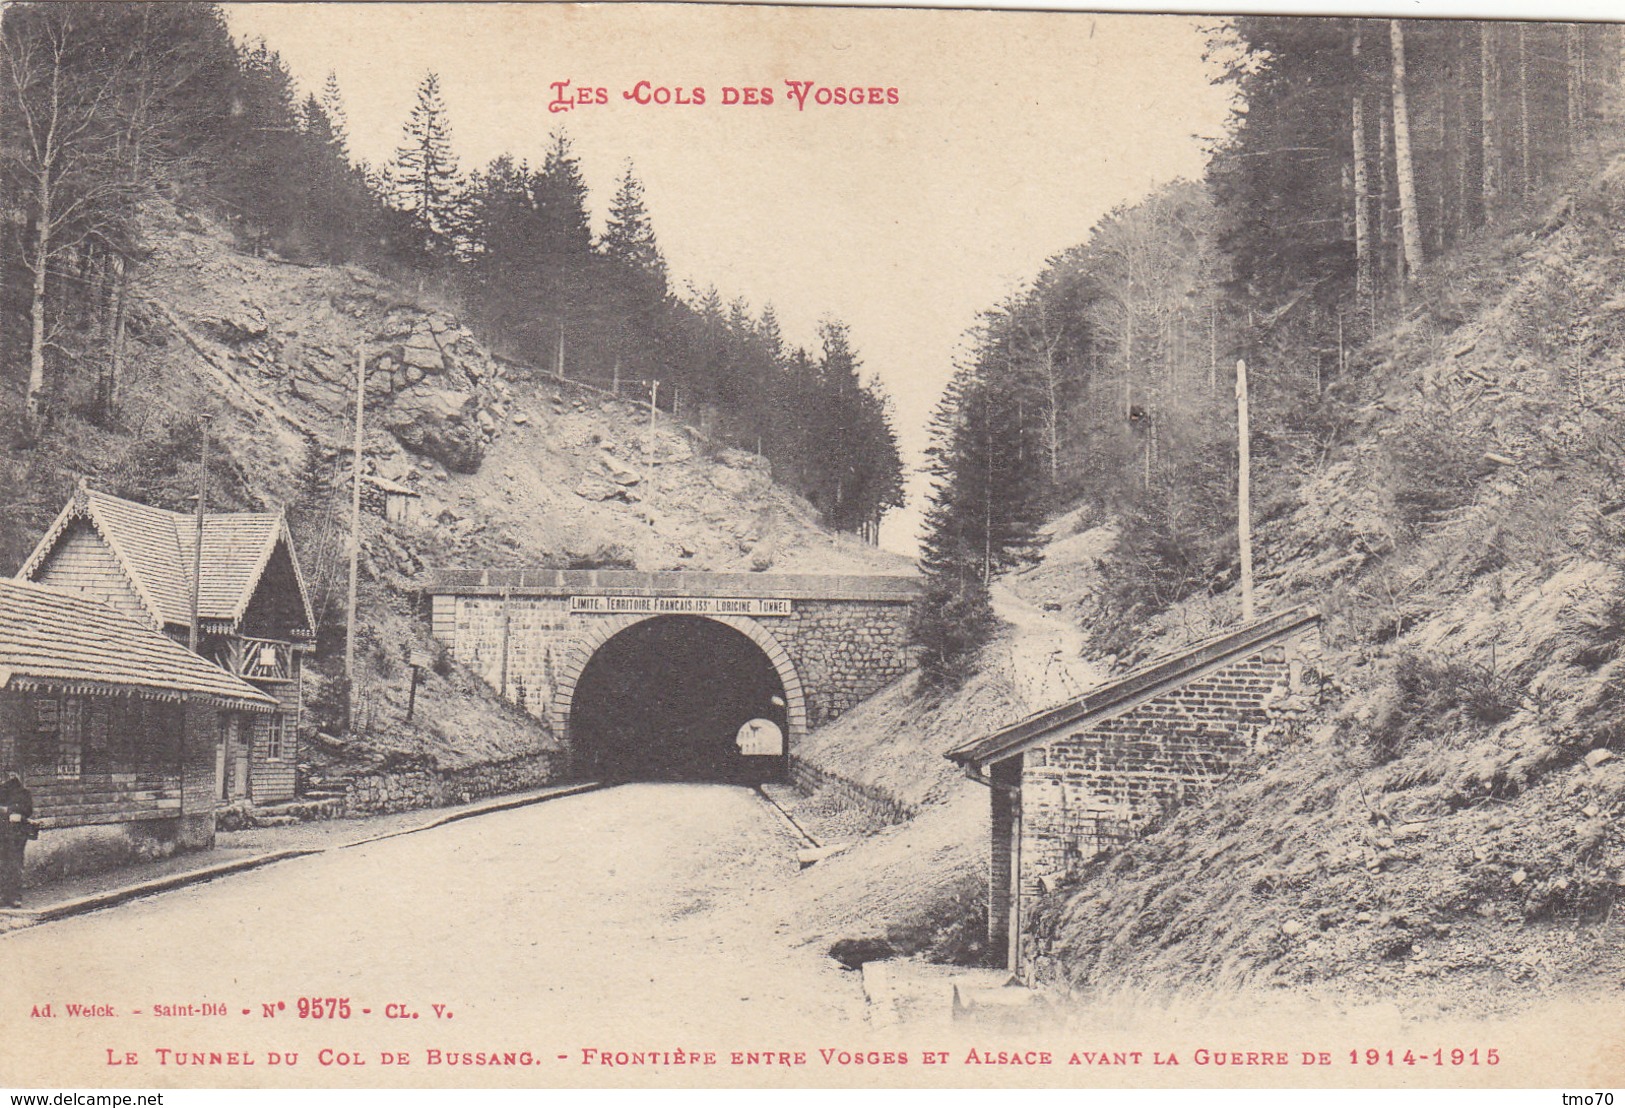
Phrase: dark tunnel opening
x=666 y=699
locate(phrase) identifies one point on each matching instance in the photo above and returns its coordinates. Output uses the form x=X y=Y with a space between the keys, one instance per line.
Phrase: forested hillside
x=108 y=108
x=1361 y=151
x=1413 y=235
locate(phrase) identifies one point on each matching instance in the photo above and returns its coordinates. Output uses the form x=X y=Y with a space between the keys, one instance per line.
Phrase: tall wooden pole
x=1362 y=181
x=192 y=635
x=507 y=623
x=654 y=396
x=355 y=516
x=1244 y=507
x=1523 y=109
x=1489 y=91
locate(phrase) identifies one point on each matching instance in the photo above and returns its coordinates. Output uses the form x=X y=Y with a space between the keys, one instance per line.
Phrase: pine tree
x=635 y=283
x=561 y=204
x=566 y=288
x=629 y=236
x=332 y=104
x=424 y=177
x=268 y=201
x=771 y=334
x=507 y=263
x=987 y=462
x=948 y=627
x=861 y=472
x=954 y=618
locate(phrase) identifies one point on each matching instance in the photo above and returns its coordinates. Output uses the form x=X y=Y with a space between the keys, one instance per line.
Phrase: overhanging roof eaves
x=55 y=639
x=82 y=687
x=1124 y=692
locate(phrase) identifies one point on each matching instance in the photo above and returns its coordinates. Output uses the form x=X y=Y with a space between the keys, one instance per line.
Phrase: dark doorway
x=664 y=700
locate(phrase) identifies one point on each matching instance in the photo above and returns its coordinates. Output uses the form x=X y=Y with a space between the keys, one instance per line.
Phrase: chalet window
x=114 y=729
x=96 y=727
x=57 y=742
x=160 y=735
x=275 y=735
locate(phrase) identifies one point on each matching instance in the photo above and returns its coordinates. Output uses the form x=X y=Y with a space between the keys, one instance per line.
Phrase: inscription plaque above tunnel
x=653 y=675
x=682 y=605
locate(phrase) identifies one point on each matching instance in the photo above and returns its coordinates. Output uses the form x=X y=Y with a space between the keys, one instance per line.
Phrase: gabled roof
x=1131 y=689
x=386 y=485
x=155 y=548
x=56 y=640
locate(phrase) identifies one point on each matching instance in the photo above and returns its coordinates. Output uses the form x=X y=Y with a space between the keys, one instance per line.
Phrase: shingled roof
x=56 y=640
x=1119 y=694
x=155 y=547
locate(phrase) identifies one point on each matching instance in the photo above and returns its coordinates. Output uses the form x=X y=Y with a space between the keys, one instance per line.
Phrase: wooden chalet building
x=254 y=613
x=114 y=727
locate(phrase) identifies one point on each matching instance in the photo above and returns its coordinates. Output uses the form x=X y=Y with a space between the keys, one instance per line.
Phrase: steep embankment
x=513 y=468
x=920 y=884
x=1449 y=836
x=1452 y=836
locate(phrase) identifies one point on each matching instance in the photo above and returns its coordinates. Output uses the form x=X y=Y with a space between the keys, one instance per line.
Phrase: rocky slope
x=1454 y=834
x=512 y=468
x=538 y=467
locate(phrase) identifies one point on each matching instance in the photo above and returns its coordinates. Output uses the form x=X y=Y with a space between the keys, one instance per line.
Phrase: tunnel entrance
x=666 y=700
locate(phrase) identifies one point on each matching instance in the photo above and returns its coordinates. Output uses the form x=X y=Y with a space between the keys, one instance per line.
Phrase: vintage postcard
x=652 y=545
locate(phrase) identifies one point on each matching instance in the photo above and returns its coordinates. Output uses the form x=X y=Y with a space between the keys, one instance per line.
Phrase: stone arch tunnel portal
x=666 y=698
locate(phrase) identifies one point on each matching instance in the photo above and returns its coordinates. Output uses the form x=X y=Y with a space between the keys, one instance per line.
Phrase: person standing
x=16 y=828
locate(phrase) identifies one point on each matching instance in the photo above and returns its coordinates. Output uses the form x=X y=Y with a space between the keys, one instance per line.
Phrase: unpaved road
x=605 y=920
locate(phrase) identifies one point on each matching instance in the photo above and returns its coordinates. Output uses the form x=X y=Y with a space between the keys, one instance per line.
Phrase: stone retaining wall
x=843 y=792
x=398 y=792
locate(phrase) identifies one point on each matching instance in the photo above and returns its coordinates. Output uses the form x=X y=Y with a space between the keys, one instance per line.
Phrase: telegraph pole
x=654 y=395
x=192 y=635
x=355 y=516
x=1244 y=507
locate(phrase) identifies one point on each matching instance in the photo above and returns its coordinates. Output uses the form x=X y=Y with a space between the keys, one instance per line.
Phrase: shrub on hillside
x=949 y=626
x=1535 y=526
x=1175 y=540
x=1432 y=695
x=160 y=467
x=1600 y=719
x=327 y=704
x=1602 y=635
x=1431 y=470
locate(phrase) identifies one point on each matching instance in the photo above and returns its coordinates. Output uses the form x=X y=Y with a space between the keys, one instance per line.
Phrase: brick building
x=112 y=725
x=254 y=613
x=1077 y=779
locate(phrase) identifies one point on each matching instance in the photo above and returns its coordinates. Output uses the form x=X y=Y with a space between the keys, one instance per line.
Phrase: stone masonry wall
x=539 y=631
x=843 y=650
x=1090 y=790
x=399 y=792
x=841 y=792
